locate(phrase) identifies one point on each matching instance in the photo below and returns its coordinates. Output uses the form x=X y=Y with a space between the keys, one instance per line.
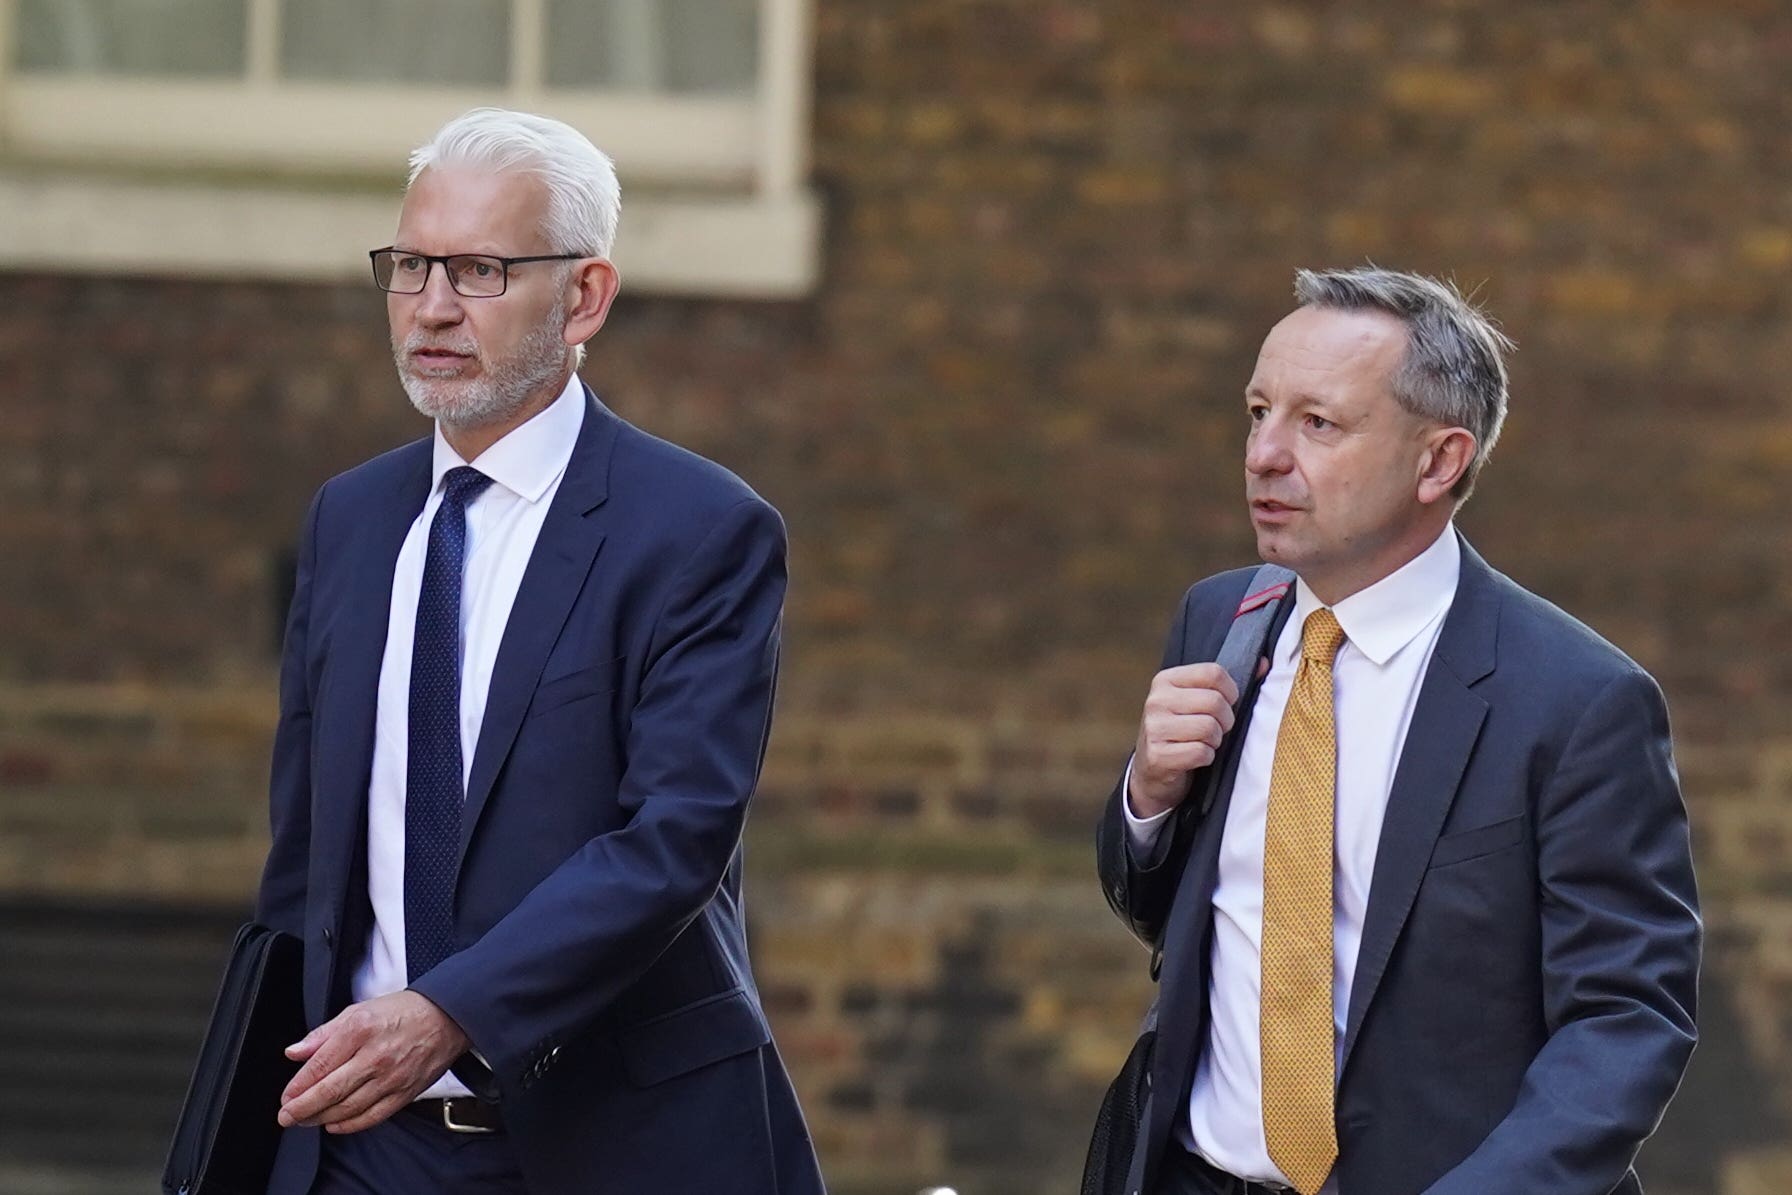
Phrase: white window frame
x=197 y=176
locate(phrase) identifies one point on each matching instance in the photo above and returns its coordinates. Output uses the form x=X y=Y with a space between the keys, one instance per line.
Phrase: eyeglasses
x=472 y=275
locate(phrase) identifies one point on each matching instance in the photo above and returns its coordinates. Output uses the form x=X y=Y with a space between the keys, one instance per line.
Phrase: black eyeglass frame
x=431 y=260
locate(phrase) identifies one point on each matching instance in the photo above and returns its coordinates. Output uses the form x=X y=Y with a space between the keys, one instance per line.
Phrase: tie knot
x=1320 y=637
x=462 y=484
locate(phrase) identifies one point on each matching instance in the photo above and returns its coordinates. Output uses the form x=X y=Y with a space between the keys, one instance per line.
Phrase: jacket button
x=329 y=936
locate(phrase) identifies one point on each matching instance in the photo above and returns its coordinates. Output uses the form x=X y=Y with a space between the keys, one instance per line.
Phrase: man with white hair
x=525 y=697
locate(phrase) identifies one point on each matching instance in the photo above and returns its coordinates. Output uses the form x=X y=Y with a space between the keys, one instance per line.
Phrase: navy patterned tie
x=434 y=789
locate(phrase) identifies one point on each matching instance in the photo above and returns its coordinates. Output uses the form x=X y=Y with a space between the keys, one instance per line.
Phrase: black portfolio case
x=225 y=1140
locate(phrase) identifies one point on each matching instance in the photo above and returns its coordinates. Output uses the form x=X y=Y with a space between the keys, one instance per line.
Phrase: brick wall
x=1005 y=433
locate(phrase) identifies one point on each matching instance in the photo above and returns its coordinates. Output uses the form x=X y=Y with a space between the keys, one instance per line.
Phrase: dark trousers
x=1184 y=1173
x=408 y=1155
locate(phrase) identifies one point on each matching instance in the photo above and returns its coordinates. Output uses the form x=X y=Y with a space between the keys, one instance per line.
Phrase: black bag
x=225 y=1139
x=1120 y=1119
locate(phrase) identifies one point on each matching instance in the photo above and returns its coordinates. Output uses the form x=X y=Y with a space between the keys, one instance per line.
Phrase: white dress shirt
x=1391 y=629
x=503 y=521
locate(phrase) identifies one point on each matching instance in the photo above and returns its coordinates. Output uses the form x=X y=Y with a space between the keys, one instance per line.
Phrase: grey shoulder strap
x=1246 y=638
x=1249 y=632
x=1244 y=644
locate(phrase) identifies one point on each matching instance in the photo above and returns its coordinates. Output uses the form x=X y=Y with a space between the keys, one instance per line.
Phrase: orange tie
x=1298 y=1033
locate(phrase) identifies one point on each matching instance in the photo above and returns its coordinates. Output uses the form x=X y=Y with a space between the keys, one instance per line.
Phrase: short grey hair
x=1455 y=367
x=584 y=198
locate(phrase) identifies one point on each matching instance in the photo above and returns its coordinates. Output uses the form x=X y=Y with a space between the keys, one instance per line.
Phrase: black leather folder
x=225 y=1140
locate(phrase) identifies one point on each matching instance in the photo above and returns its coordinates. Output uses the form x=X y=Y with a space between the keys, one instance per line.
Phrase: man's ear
x=1448 y=453
x=593 y=288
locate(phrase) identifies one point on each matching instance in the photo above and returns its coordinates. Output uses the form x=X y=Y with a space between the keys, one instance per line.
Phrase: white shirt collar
x=1385 y=617
x=528 y=459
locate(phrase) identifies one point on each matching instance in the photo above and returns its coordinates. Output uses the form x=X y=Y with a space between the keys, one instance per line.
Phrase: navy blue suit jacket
x=600 y=961
x=1523 y=1003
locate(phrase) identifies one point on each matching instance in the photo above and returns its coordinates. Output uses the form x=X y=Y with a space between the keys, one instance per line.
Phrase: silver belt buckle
x=455 y=1126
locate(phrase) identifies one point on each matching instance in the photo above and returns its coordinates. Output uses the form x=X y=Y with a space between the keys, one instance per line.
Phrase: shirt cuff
x=1142 y=833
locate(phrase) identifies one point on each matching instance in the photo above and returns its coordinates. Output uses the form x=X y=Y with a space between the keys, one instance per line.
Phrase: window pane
x=132 y=37
x=654 y=45
x=455 y=42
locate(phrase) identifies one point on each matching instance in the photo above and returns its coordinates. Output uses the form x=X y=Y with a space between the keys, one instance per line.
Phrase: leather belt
x=1202 y=1175
x=463 y=1115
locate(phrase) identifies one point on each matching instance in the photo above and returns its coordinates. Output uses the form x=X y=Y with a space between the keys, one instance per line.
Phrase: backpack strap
x=1246 y=640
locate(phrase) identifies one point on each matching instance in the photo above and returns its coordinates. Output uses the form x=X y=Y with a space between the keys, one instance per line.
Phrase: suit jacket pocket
x=556 y=691
x=1464 y=845
x=713 y=1028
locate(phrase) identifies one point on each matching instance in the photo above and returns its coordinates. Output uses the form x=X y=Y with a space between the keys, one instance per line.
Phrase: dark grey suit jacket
x=1523 y=1005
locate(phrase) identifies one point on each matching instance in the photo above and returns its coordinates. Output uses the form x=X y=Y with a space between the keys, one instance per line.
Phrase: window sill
x=725 y=245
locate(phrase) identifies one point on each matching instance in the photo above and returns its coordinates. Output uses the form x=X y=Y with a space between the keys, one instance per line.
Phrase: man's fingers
x=311 y=1107
x=376 y=1085
x=1188 y=714
x=388 y=1046
x=1205 y=675
x=331 y=1054
x=328 y=1057
x=1202 y=676
x=1181 y=757
x=306 y=1046
x=1200 y=728
x=383 y=1110
x=323 y=1067
x=323 y=1050
x=1189 y=702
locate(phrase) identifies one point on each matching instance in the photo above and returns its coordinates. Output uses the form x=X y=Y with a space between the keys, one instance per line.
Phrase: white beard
x=502 y=388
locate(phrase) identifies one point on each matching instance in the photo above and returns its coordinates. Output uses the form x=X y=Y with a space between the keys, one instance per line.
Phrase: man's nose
x=439 y=303
x=1266 y=449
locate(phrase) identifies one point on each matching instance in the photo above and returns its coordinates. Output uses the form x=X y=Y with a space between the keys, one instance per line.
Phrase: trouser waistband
x=1186 y=1173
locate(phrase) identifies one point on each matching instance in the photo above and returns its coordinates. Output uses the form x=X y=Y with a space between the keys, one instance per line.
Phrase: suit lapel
x=555 y=575
x=346 y=709
x=1445 y=725
x=1185 y=976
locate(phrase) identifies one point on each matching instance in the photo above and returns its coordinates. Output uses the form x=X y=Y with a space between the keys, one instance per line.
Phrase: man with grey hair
x=1420 y=898
x=526 y=693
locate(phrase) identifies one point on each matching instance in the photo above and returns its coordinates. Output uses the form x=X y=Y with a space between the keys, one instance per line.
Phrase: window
x=298 y=114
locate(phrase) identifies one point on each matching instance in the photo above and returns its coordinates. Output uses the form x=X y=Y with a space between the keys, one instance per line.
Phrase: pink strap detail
x=1261 y=598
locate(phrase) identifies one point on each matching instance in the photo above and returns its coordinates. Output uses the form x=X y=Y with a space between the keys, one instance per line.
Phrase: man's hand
x=369 y=1062
x=1187 y=715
